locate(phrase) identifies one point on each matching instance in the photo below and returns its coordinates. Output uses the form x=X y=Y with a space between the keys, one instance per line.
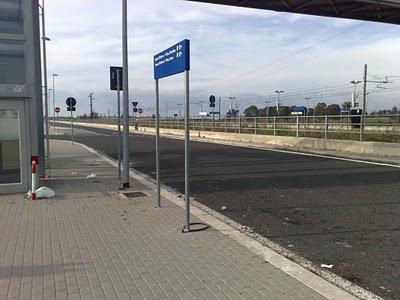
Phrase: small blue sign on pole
x=174 y=60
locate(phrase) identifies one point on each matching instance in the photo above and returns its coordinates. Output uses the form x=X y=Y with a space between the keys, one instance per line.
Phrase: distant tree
x=311 y=111
x=333 y=109
x=262 y=112
x=394 y=110
x=251 y=111
x=285 y=111
x=346 y=105
x=320 y=109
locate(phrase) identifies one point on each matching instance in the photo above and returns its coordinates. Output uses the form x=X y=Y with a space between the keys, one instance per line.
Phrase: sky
x=235 y=52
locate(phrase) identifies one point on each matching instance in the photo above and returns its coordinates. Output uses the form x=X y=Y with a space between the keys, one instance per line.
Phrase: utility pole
x=91 y=104
x=278 y=101
x=364 y=104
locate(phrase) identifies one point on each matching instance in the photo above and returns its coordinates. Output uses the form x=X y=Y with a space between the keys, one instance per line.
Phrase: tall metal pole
x=187 y=170
x=119 y=125
x=219 y=107
x=278 y=101
x=125 y=87
x=72 y=126
x=54 y=103
x=158 y=196
x=307 y=98
x=91 y=104
x=364 y=104
x=354 y=96
x=213 y=125
x=54 y=106
x=46 y=95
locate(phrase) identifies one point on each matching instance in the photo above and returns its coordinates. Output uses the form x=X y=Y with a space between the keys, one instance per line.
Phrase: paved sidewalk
x=90 y=242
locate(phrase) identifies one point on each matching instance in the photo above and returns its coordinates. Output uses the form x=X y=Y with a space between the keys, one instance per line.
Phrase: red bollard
x=34 y=179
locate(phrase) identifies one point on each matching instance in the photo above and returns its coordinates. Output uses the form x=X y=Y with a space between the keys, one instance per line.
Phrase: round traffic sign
x=57 y=109
x=140 y=110
x=212 y=99
x=71 y=101
x=135 y=109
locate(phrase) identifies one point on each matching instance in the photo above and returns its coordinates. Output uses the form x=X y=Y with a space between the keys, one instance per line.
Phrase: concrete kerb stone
x=324 y=282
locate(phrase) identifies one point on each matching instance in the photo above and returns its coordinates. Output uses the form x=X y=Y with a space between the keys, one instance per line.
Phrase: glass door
x=13 y=159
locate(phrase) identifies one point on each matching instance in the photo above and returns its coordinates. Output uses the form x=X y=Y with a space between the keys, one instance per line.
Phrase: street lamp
x=354 y=96
x=267 y=107
x=44 y=40
x=278 y=100
x=54 y=103
x=201 y=102
x=232 y=98
x=179 y=109
x=307 y=98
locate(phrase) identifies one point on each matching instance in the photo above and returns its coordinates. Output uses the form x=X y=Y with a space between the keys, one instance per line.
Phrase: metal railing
x=382 y=128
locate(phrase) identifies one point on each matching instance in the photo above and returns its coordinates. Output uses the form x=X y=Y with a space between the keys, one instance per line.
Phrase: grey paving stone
x=88 y=243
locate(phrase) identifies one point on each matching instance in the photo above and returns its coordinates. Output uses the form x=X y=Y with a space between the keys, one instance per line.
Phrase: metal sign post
x=115 y=85
x=119 y=126
x=158 y=196
x=187 y=161
x=71 y=102
x=72 y=128
x=171 y=61
x=212 y=105
x=125 y=175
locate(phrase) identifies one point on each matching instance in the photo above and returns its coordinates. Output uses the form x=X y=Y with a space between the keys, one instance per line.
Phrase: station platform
x=94 y=241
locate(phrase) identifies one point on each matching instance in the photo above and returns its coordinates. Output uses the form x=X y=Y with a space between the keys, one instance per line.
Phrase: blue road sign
x=70 y=101
x=301 y=109
x=113 y=78
x=174 y=60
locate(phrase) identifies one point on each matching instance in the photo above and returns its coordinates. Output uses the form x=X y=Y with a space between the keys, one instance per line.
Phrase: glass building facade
x=20 y=93
x=12 y=57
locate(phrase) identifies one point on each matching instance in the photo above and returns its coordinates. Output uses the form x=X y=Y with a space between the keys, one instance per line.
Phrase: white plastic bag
x=326 y=266
x=44 y=193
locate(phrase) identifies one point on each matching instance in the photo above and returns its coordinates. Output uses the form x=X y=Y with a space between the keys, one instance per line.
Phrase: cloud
x=232 y=49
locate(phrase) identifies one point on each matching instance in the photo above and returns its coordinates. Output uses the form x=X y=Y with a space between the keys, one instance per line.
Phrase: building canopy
x=385 y=11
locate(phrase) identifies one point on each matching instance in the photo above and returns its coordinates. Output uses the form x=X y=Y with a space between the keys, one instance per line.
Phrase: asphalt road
x=326 y=210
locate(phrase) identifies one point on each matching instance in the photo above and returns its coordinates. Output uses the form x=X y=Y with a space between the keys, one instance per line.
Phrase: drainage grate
x=134 y=194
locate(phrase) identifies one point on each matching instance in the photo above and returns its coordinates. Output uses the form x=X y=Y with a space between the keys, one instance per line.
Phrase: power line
x=240 y=76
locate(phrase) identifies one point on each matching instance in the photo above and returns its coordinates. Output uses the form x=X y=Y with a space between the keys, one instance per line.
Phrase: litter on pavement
x=90 y=176
x=326 y=266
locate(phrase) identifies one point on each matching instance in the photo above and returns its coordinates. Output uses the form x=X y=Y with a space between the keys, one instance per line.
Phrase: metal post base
x=125 y=185
x=185 y=229
x=195 y=227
